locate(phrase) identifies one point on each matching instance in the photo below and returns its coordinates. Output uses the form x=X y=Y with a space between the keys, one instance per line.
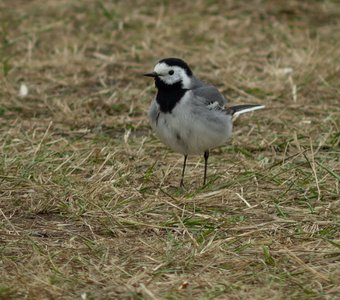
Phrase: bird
x=189 y=115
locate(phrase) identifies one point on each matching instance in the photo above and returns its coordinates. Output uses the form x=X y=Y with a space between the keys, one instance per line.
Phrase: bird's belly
x=186 y=133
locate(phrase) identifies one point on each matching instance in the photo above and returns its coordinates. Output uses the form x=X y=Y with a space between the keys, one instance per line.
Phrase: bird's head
x=171 y=72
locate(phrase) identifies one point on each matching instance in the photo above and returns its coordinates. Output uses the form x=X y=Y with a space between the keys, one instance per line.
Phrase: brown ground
x=89 y=203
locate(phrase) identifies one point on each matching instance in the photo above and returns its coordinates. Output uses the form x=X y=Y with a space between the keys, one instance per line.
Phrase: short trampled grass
x=90 y=206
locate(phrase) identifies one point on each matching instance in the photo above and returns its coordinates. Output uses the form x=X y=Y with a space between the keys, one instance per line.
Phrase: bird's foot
x=181 y=184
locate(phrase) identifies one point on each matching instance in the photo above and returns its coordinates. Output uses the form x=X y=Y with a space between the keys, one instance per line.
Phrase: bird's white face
x=172 y=74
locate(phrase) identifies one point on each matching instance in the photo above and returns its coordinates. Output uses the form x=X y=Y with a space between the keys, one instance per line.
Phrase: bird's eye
x=171 y=72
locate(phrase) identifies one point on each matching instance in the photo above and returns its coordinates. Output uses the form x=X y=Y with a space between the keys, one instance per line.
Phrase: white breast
x=191 y=127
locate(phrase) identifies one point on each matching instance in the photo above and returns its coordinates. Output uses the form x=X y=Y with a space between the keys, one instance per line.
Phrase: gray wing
x=209 y=93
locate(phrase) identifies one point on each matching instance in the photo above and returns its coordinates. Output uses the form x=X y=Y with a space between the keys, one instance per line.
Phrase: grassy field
x=89 y=201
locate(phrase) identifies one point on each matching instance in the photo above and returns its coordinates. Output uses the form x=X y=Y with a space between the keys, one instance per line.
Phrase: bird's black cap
x=172 y=61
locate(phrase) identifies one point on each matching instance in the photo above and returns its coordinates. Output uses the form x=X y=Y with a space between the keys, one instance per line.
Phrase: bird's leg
x=184 y=163
x=206 y=156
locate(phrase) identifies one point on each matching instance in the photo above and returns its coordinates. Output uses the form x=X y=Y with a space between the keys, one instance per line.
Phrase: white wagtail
x=187 y=114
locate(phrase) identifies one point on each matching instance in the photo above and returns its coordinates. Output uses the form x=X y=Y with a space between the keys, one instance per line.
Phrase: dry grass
x=89 y=202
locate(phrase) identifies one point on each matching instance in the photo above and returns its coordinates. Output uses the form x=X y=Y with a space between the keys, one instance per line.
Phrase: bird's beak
x=151 y=74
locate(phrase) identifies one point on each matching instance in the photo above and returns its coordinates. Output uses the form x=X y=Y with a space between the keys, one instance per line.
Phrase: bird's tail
x=241 y=109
